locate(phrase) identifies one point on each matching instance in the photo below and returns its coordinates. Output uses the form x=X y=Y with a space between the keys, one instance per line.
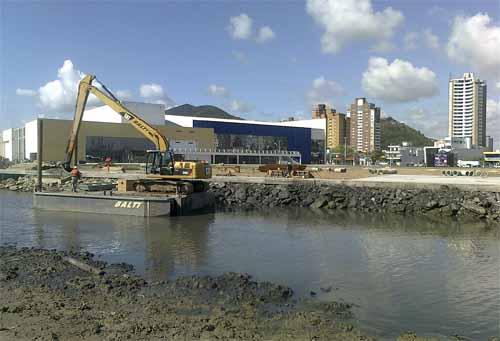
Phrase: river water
x=401 y=273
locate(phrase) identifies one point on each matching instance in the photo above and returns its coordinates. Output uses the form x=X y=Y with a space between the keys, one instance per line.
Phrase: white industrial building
x=250 y=141
x=12 y=145
x=20 y=144
x=151 y=113
x=306 y=138
x=317 y=126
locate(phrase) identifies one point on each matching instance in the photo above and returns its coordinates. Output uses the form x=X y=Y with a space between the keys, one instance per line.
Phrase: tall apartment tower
x=337 y=130
x=321 y=110
x=467 y=109
x=365 y=126
x=489 y=143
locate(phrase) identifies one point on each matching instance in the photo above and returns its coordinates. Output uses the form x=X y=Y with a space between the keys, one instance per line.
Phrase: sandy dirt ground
x=357 y=172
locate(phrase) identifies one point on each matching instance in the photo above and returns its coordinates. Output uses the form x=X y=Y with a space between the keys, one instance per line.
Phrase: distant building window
x=251 y=142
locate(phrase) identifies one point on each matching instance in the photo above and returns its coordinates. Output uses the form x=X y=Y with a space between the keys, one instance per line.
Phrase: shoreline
x=444 y=202
x=440 y=201
x=65 y=295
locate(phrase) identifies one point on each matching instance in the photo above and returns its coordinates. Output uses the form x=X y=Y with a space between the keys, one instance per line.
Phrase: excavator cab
x=163 y=172
x=159 y=163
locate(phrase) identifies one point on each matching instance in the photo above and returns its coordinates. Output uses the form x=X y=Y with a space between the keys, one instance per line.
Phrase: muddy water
x=402 y=274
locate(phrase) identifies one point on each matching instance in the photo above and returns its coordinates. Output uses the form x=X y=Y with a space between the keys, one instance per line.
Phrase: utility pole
x=39 y=155
x=345 y=150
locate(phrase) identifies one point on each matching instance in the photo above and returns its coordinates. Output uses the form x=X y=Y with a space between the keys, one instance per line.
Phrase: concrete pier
x=146 y=206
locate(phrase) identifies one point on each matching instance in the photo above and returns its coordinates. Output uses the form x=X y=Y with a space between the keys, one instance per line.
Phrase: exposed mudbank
x=442 y=202
x=56 y=295
x=53 y=295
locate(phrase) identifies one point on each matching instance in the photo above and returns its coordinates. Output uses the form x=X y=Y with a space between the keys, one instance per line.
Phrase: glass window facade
x=251 y=142
x=121 y=149
x=318 y=151
x=273 y=137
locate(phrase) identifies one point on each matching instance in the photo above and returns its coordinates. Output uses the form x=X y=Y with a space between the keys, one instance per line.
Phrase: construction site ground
x=418 y=177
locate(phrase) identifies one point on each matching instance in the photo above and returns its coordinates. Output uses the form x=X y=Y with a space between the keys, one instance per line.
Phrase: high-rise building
x=467 y=109
x=337 y=130
x=489 y=143
x=321 y=110
x=364 y=126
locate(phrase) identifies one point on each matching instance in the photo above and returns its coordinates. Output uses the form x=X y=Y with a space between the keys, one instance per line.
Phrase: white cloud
x=475 y=41
x=383 y=47
x=428 y=39
x=151 y=91
x=59 y=96
x=347 y=21
x=217 y=90
x=265 y=34
x=231 y=104
x=410 y=40
x=323 y=91
x=154 y=93
x=432 y=123
x=124 y=94
x=493 y=120
x=497 y=85
x=240 y=27
x=399 y=81
x=417 y=114
x=239 y=107
x=26 y=92
x=431 y=40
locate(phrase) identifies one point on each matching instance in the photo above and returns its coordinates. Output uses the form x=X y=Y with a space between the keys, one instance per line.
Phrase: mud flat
x=53 y=295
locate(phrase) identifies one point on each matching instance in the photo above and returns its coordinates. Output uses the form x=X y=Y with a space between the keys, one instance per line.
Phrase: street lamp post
x=345 y=150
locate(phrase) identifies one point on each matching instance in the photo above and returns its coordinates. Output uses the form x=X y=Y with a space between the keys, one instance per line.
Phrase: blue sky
x=179 y=50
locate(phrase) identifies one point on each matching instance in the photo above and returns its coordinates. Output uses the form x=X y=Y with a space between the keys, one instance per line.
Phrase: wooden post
x=39 y=154
x=75 y=152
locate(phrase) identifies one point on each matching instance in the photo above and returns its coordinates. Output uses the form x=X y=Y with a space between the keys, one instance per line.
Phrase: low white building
x=151 y=113
x=13 y=144
x=31 y=140
x=7 y=143
x=404 y=155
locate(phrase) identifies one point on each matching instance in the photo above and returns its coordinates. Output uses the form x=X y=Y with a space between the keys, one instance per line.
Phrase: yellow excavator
x=163 y=173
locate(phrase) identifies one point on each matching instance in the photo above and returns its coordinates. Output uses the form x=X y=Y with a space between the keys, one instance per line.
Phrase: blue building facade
x=232 y=135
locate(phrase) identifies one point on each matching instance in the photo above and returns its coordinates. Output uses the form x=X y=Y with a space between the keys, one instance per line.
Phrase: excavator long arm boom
x=85 y=88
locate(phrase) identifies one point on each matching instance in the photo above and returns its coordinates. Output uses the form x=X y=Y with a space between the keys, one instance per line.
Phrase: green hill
x=394 y=132
x=200 y=111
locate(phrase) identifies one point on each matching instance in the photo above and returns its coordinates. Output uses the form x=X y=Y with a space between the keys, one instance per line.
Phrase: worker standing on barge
x=75 y=176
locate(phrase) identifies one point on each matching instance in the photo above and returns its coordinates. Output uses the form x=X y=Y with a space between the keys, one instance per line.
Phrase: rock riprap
x=443 y=202
x=28 y=184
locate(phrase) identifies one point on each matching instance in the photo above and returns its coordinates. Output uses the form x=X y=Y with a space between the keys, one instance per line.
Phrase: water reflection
x=157 y=245
x=174 y=248
x=404 y=273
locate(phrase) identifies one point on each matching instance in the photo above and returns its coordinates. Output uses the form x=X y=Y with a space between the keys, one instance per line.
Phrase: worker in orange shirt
x=75 y=176
x=107 y=162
